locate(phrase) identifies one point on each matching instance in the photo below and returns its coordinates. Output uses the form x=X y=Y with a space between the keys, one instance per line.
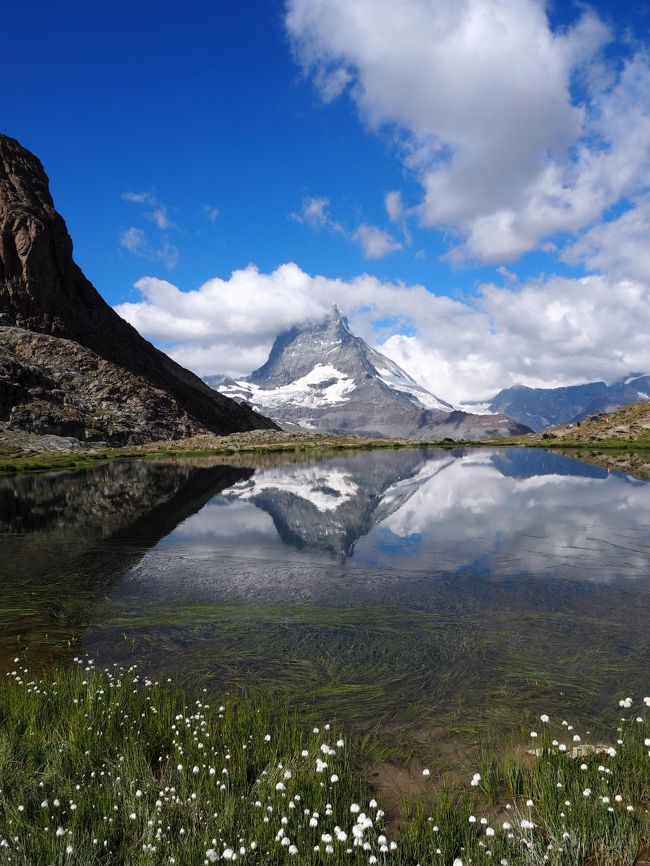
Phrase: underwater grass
x=109 y=767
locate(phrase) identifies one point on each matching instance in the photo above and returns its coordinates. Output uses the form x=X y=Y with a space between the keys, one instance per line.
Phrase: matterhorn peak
x=323 y=377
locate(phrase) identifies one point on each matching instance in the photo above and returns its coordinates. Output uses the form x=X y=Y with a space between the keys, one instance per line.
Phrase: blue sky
x=187 y=141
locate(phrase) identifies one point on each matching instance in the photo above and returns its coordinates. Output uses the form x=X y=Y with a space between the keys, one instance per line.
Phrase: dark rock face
x=42 y=290
x=323 y=377
x=56 y=386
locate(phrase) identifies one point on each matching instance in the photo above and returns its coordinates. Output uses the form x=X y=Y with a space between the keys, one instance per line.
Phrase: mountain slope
x=323 y=377
x=629 y=424
x=42 y=290
x=540 y=408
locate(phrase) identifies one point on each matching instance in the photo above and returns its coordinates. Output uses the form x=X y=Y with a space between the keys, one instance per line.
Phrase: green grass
x=108 y=767
x=12 y=463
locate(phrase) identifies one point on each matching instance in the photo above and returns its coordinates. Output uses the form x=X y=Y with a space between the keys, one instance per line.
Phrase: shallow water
x=420 y=590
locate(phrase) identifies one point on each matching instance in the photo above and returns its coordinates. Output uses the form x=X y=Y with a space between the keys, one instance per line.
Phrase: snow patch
x=322 y=386
x=326 y=488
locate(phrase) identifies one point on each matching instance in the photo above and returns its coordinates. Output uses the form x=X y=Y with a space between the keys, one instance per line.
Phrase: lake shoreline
x=26 y=455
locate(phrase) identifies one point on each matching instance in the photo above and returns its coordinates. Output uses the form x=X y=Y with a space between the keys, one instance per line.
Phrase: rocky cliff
x=43 y=292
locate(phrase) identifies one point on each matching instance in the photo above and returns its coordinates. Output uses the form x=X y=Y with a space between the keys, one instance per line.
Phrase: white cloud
x=374 y=242
x=515 y=131
x=133 y=239
x=153 y=209
x=314 y=212
x=619 y=247
x=211 y=212
x=136 y=242
x=545 y=333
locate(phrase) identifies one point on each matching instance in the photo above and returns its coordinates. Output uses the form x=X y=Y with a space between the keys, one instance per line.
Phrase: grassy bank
x=258 y=442
x=111 y=768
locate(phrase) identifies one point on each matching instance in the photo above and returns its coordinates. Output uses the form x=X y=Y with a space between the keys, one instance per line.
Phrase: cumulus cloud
x=619 y=247
x=515 y=131
x=545 y=333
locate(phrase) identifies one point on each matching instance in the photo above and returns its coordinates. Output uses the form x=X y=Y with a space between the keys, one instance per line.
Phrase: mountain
x=628 y=424
x=540 y=408
x=68 y=362
x=544 y=407
x=327 y=506
x=323 y=377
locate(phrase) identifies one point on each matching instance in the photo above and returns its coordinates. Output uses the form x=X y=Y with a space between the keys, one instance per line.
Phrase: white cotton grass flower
x=544 y=718
x=476 y=778
x=426 y=772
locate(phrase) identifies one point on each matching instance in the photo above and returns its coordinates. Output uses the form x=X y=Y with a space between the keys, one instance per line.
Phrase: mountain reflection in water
x=370 y=582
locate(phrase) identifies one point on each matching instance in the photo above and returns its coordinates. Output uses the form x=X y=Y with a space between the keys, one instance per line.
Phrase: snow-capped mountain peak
x=323 y=377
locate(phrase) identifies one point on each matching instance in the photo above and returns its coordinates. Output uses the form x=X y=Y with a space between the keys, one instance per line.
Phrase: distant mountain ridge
x=69 y=365
x=540 y=408
x=323 y=377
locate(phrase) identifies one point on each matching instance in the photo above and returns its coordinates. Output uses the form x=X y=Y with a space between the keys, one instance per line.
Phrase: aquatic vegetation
x=108 y=767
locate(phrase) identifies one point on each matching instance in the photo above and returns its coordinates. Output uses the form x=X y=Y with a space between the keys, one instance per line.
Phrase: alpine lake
x=436 y=600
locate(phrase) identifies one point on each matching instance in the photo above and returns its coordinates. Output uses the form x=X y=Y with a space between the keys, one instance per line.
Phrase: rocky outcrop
x=56 y=386
x=42 y=290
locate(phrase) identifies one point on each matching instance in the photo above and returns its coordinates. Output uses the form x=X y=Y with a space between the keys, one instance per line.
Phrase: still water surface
x=422 y=590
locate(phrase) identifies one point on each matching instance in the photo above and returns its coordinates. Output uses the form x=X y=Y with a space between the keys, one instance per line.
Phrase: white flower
x=334 y=778
x=60 y=832
x=489 y=831
x=267 y=739
x=355 y=808
x=211 y=855
x=586 y=792
x=228 y=854
x=280 y=786
x=476 y=778
x=544 y=718
x=426 y=772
